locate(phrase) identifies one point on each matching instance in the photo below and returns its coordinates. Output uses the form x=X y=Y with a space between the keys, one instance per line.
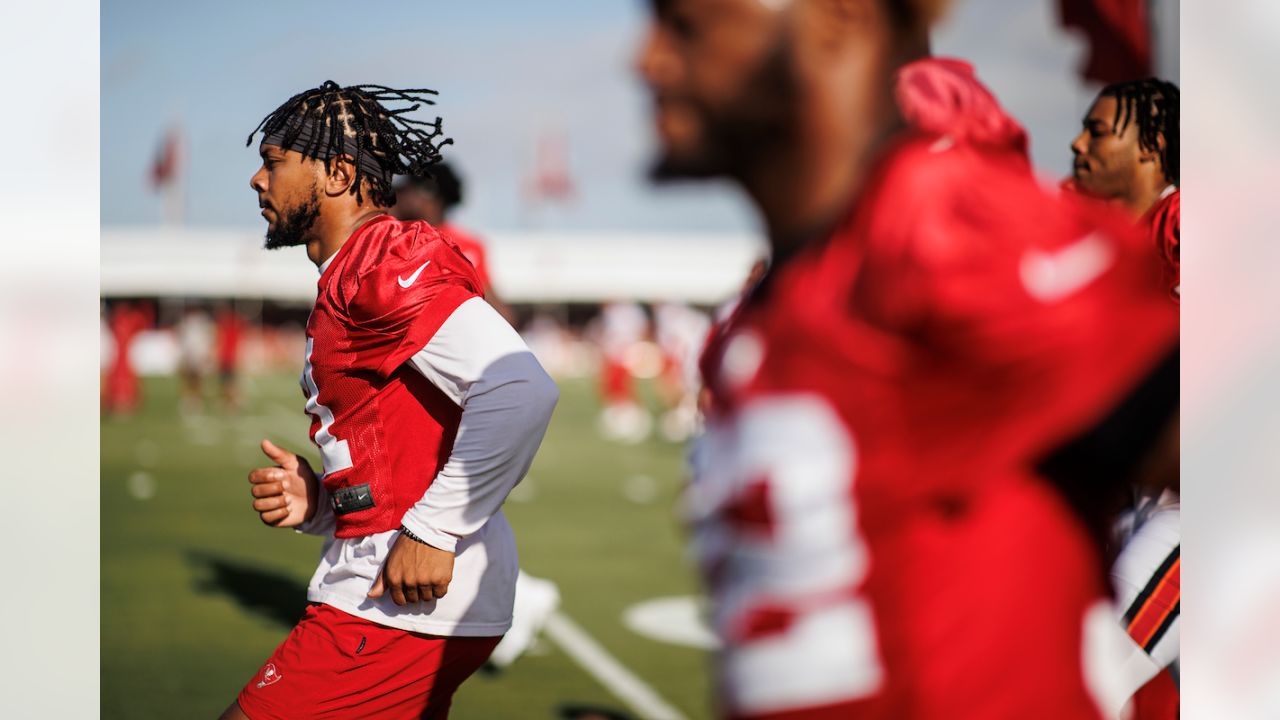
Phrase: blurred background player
x=1128 y=155
x=681 y=333
x=932 y=327
x=433 y=198
x=195 y=336
x=620 y=328
x=427 y=409
x=230 y=333
x=125 y=321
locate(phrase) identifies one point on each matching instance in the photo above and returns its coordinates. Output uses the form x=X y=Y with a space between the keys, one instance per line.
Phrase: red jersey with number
x=874 y=537
x=383 y=430
x=472 y=247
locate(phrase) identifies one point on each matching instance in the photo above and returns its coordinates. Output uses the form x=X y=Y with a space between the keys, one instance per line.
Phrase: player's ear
x=831 y=23
x=339 y=176
x=1152 y=155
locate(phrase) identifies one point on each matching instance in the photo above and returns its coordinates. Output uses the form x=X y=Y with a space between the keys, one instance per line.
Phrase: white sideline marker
x=606 y=669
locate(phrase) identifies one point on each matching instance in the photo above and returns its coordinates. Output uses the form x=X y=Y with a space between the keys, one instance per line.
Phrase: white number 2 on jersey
x=811 y=553
x=334 y=453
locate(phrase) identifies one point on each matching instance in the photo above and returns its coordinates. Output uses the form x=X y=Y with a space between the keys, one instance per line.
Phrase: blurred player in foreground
x=875 y=535
x=433 y=198
x=1128 y=154
x=427 y=409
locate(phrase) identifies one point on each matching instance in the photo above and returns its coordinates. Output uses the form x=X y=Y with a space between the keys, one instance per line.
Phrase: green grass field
x=196 y=592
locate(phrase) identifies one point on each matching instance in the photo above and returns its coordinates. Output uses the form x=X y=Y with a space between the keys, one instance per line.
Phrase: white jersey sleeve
x=479 y=361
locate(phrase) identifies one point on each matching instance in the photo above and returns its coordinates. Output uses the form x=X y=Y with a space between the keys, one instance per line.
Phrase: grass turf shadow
x=277 y=596
x=573 y=711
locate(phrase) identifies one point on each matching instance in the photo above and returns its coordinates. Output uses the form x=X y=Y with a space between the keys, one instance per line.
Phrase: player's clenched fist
x=414 y=572
x=285 y=495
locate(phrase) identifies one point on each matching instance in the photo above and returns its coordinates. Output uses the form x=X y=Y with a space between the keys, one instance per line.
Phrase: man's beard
x=761 y=118
x=293 y=227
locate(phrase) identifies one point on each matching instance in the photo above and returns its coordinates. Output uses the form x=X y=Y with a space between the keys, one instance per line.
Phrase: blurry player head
x=1129 y=143
x=734 y=80
x=430 y=197
x=334 y=150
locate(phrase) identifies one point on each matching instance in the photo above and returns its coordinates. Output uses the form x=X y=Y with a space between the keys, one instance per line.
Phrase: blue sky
x=508 y=71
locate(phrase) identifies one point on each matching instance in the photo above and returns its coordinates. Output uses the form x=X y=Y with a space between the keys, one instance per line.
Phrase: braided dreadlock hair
x=356 y=121
x=1153 y=105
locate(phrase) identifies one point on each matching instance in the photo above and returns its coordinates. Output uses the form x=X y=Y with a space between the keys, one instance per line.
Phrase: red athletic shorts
x=339 y=667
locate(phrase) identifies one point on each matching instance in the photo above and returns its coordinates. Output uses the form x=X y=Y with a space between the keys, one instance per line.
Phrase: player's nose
x=258 y=181
x=1080 y=144
x=653 y=61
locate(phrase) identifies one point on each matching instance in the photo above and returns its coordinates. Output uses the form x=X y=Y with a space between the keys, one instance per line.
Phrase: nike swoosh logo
x=1050 y=276
x=406 y=282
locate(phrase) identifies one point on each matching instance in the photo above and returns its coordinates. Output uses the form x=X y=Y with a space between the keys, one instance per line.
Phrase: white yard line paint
x=606 y=669
x=677 y=620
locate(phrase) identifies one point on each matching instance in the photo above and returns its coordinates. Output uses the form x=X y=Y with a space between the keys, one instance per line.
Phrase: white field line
x=606 y=669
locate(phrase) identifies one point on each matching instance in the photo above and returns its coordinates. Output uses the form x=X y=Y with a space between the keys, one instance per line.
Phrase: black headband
x=308 y=129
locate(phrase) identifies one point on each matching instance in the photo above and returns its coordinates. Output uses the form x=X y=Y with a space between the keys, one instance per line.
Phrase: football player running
x=935 y=338
x=426 y=407
x=1127 y=154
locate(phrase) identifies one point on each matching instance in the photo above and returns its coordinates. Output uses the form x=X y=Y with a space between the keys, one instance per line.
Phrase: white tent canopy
x=526 y=268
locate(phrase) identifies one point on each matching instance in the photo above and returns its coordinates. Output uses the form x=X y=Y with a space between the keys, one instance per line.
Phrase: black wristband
x=409 y=534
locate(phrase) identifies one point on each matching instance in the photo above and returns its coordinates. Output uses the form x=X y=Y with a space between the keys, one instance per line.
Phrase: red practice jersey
x=382 y=428
x=865 y=505
x=1165 y=220
x=473 y=248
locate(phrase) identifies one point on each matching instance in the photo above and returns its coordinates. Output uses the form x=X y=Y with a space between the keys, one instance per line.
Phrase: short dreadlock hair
x=355 y=121
x=1153 y=105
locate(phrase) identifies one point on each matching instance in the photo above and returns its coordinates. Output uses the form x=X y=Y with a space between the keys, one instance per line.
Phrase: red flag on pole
x=166 y=165
x=1119 y=37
